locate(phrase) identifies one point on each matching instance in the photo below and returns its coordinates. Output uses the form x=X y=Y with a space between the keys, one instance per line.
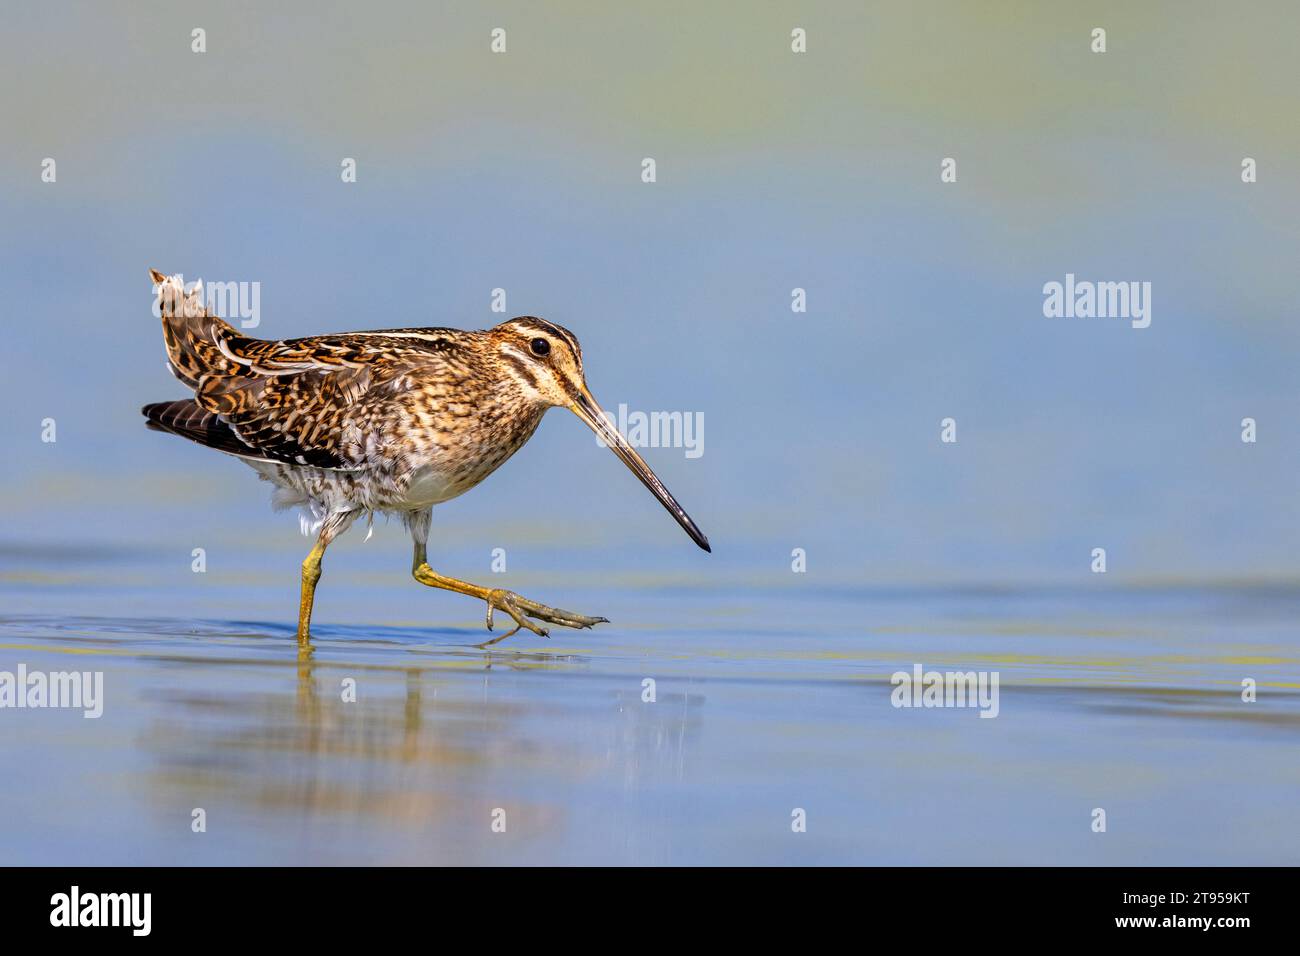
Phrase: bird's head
x=545 y=360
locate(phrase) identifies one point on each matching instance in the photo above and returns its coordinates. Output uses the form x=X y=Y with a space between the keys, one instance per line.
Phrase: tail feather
x=193 y=336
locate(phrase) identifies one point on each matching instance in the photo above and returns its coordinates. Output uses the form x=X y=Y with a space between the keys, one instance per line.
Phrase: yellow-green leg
x=310 y=575
x=334 y=525
x=519 y=608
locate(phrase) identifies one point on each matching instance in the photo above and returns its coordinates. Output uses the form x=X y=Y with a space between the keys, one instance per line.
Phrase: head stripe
x=533 y=323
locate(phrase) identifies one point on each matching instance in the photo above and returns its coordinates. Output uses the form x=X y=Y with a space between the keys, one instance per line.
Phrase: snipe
x=392 y=421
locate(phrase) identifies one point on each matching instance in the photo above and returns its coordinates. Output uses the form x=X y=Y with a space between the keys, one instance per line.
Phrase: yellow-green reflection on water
x=1134 y=704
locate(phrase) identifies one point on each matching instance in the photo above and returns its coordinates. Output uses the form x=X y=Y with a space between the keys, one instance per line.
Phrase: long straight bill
x=585 y=407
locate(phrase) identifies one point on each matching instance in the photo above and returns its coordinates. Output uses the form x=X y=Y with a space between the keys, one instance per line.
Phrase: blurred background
x=775 y=171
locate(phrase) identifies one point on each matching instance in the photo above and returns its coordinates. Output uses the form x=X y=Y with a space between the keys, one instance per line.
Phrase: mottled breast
x=452 y=460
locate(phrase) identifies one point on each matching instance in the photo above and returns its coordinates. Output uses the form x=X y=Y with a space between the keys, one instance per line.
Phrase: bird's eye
x=540 y=347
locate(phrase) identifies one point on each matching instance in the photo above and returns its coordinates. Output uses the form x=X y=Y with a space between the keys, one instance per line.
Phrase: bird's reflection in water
x=421 y=747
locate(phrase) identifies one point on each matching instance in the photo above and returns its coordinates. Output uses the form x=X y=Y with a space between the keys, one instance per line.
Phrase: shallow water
x=767 y=699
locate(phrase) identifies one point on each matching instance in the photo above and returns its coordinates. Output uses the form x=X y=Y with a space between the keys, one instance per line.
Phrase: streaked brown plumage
x=393 y=421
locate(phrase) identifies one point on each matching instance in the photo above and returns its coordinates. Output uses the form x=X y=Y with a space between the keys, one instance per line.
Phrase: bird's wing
x=327 y=401
x=186 y=418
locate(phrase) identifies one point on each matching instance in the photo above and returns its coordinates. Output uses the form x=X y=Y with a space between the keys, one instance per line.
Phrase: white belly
x=430 y=486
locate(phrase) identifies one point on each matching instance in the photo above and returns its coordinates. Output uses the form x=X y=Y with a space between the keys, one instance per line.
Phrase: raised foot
x=520 y=609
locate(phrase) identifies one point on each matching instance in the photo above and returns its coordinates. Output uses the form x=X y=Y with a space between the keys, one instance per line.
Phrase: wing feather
x=305 y=403
x=323 y=401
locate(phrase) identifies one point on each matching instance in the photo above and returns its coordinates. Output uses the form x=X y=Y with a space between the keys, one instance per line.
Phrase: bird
x=391 y=421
